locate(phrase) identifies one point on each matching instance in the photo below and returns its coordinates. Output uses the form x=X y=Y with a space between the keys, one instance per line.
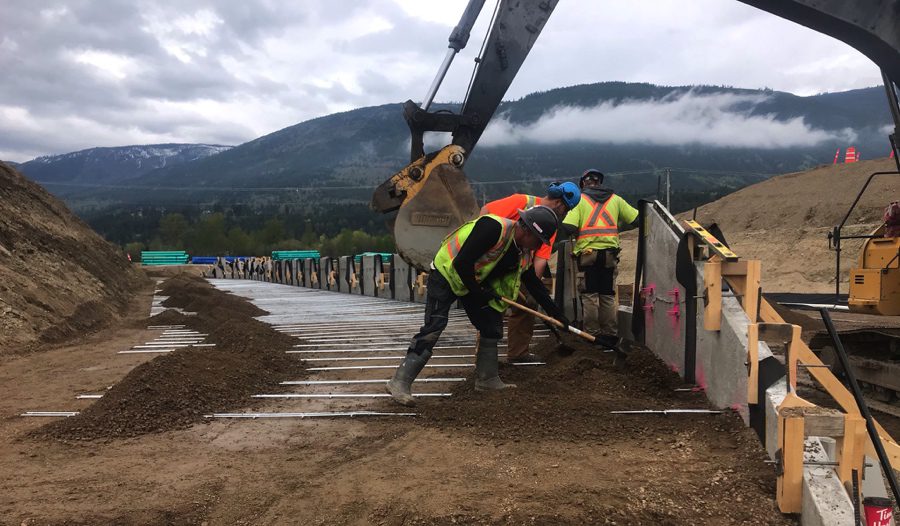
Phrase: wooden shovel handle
x=549 y=319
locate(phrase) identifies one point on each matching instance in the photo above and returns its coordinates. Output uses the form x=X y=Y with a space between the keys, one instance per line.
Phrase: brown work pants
x=520 y=328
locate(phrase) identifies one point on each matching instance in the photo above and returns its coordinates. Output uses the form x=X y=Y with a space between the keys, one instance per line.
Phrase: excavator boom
x=432 y=197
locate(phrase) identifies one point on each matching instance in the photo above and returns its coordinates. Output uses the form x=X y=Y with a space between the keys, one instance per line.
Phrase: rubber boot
x=486 y=367
x=400 y=385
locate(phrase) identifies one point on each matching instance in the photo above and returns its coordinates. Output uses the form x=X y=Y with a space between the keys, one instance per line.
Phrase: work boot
x=486 y=367
x=400 y=385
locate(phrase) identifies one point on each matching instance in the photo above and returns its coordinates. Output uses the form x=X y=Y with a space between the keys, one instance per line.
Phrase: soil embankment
x=175 y=390
x=58 y=278
x=784 y=222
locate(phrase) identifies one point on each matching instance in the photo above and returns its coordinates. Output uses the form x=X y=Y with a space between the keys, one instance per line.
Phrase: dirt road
x=548 y=452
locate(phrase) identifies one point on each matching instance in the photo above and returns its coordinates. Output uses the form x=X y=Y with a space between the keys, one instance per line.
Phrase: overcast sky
x=84 y=73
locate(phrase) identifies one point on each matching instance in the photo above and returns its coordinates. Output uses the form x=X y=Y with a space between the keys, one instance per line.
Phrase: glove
x=482 y=297
x=562 y=319
x=491 y=295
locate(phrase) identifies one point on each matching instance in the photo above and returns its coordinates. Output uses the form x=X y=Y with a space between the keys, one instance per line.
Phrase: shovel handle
x=549 y=319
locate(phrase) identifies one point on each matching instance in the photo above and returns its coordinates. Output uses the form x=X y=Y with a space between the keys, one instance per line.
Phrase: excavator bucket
x=432 y=198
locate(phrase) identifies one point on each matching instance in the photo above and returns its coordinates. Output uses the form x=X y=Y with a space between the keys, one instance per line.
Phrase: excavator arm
x=432 y=195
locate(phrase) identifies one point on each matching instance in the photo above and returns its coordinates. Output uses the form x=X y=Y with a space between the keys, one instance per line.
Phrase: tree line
x=213 y=234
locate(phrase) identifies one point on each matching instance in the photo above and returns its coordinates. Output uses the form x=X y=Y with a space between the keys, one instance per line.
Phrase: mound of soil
x=571 y=397
x=784 y=222
x=58 y=278
x=694 y=464
x=175 y=390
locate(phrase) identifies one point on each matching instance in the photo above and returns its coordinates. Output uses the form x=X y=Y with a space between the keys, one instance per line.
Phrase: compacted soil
x=548 y=452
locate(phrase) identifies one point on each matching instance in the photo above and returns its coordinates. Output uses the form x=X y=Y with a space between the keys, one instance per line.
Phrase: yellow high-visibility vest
x=507 y=285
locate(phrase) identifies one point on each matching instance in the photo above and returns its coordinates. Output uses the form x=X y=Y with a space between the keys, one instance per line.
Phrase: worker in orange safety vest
x=561 y=198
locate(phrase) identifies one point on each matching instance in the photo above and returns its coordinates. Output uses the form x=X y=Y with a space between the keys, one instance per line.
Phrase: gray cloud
x=83 y=73
x=721 y=119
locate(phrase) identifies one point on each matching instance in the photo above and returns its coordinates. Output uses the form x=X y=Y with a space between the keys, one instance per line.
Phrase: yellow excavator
x=431 y=197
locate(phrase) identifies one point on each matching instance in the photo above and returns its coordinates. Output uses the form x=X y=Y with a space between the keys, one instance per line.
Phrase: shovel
x=554 y=322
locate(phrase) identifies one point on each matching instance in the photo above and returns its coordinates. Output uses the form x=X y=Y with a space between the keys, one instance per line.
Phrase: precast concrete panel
x=307 y=273
x=344 y=274
x=367 y=276
x=722 y=355
x=356 y=276
x=662 y=297
x=401 y=278
x=324 y=267
x=295 y=272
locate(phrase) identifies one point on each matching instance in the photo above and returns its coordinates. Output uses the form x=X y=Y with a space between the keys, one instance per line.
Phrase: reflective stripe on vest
x=495 y=252
x=506 y=285
x=600 y=223
x=529 y=201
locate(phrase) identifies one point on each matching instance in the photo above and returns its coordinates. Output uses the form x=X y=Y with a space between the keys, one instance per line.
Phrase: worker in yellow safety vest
x=484 y=260
x=596 y=222
x=561 y=197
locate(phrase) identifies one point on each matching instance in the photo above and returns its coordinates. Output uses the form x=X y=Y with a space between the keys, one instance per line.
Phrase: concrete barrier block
x=344 y=274
x=367 y=276
x=825 y=502
x=324 y=265
x=401 y=279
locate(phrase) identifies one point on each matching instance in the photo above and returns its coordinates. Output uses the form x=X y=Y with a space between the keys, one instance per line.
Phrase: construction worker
x=561 y=197
x=483 y=260
x=597 y=219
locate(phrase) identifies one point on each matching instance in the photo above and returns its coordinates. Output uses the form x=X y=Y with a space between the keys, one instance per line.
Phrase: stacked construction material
x=278 y=255
x=385 y=256
x=171 y=257
x=211 y=260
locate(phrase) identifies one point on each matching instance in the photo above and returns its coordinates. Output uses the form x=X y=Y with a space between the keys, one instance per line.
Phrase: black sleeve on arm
x=565 y=231
x=539 y=292
x=483 y=236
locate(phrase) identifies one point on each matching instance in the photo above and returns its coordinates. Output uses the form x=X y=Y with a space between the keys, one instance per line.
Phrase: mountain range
x=113 y=165
x=715 y=138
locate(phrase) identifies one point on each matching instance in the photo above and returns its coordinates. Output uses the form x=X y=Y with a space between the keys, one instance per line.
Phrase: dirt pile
x=570 y=401
x=572 y=397
x=175 y=390
x=58 y=277
x=784 y=221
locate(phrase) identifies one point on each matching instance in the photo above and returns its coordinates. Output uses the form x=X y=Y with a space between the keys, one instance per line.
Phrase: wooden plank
x=734 y=268
x=790 y=484
x=852 y=447
x=830 y=424
x=712 y=278
x=828 y=381
x=821 y=374
x=751 y=291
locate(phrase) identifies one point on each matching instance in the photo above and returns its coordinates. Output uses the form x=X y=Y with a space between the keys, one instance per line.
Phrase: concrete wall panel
x=401 y=277
x=367 y=276
x=663 y=297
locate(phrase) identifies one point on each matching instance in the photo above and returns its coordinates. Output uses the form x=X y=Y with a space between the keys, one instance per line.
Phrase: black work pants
x=600 y=278
x=438 y=300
